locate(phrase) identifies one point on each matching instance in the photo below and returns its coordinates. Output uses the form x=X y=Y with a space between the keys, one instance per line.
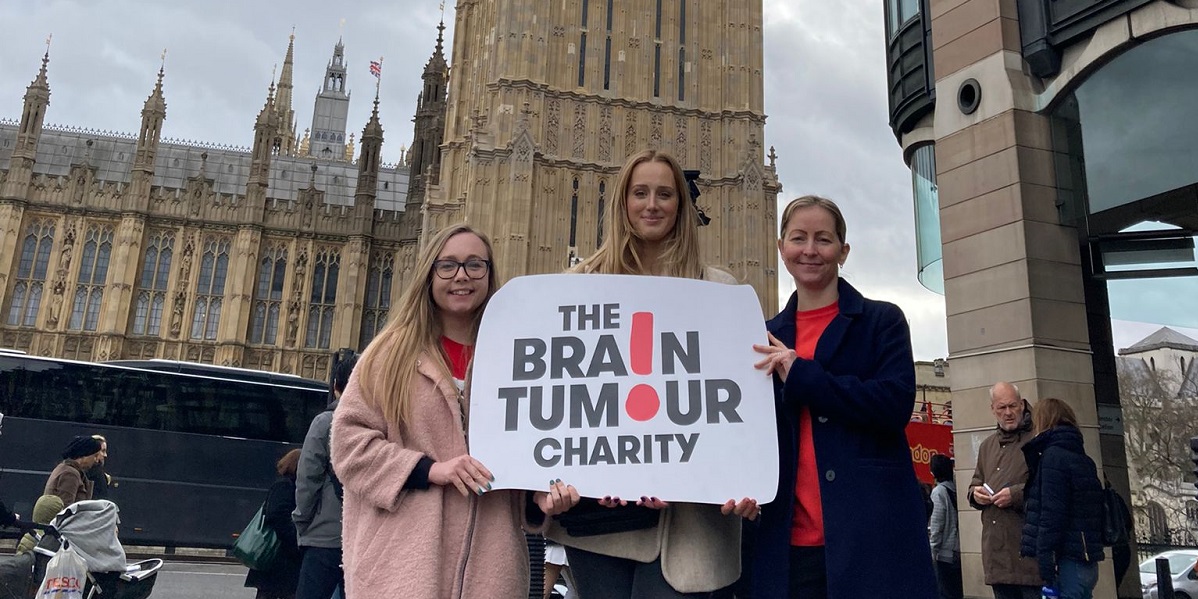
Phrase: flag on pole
x=376 y=69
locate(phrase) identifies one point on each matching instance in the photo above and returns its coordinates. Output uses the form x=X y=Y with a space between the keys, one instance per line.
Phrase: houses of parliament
x=118 y=246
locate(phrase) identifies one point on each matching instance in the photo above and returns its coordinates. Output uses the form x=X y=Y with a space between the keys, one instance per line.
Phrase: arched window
x=31 y=273
x=151 y=296
x=268 y=295
x=378 y=295
x=210 y=289
x=93 y=274
x=325 y=272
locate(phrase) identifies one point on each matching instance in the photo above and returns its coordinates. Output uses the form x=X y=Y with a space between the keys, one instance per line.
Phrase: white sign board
x=627 y=386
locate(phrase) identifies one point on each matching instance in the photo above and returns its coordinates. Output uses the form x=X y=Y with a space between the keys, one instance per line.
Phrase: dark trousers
x=605 y=577
x=1015 y=591
x=808 y=573
x=948 y=578
x=320 y=573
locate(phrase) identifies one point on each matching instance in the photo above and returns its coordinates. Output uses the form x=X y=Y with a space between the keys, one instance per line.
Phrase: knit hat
x=46 y=508
x=80 y=447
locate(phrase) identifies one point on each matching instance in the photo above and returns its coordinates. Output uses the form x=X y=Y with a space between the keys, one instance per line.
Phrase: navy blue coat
x=1063 y=501
x=860 y=389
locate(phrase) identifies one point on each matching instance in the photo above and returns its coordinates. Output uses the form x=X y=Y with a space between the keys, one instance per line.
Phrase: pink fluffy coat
x=417 y=544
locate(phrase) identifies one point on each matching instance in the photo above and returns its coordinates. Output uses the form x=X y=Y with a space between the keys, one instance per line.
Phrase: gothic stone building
x=132 y=246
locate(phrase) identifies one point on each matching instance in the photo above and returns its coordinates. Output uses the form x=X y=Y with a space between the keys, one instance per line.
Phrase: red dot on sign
x=642 y=403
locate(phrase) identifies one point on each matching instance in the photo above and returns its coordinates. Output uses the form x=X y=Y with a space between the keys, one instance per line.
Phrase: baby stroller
x=90 y=528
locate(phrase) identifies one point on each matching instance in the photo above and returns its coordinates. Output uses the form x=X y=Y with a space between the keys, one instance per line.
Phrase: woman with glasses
x=682 y=549
x=419 y=520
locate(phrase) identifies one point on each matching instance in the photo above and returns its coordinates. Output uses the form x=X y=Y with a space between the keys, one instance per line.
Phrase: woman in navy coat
x=1063 y=497
x=848 y=521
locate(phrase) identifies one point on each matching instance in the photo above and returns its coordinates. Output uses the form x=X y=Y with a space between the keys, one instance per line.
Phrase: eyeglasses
x=475 y=269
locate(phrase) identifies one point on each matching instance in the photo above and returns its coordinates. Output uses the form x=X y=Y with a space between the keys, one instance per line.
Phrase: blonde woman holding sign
x=418 y=520
x=651 y=549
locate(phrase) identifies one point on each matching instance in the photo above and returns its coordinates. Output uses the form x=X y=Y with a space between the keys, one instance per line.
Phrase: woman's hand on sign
x=560 y=498
x=653 y=502
x=609 y=501
x=463 y=472
x=745 y=508
x=778 y=357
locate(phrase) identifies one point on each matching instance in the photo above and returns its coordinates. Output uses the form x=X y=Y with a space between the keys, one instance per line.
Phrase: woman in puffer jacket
x=1063 y=529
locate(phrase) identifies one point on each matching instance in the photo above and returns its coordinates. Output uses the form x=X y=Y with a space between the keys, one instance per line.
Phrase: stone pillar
x=123 y=278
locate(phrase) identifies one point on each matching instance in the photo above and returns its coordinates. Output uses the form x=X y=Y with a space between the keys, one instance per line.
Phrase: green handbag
x=258 y=545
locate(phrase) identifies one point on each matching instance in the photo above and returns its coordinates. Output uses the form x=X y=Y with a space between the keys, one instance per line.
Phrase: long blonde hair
x=414 y=328
x=620 y=254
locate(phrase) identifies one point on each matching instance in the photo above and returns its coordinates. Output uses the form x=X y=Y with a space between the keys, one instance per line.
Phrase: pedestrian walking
x=317 y=512
x=280 y=579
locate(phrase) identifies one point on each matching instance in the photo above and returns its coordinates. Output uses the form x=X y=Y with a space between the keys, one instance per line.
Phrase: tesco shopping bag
x=65 y=575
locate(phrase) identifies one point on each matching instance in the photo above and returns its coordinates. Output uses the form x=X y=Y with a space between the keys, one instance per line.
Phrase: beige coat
x=420 y=544
x=1001 y=464
x=699 y=547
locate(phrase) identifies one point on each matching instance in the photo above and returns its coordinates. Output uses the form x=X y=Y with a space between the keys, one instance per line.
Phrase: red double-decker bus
x=930 y=432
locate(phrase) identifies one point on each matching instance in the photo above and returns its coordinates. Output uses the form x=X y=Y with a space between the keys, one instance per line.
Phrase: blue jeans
x=320 y=573
x=1076 y=580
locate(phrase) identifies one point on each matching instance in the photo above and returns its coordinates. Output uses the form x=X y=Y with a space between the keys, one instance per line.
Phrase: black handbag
x=588 y=518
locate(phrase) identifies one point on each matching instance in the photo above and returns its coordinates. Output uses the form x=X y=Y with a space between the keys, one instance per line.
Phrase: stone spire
x=283 y=105
x=424 y=168
x=370 y=159
x=153 y=113
x=33 y=114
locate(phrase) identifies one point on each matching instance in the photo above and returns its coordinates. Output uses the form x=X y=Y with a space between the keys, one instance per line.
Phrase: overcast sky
x=825 y=97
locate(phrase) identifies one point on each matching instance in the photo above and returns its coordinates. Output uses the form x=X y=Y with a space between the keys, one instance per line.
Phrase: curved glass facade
x=927 y=218
x=1127 y=174
x=1139 y=122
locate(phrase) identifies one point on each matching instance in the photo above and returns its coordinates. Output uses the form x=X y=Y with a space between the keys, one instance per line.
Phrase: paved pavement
x=189 y=580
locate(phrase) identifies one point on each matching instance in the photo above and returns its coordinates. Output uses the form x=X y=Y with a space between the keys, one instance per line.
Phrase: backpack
x=1116 y=518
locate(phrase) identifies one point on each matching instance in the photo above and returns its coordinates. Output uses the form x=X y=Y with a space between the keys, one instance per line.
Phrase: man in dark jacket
x=997 y=490
x=317 y=512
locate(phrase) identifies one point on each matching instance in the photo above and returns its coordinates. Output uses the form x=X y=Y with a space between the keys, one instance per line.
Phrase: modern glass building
x=1055 y=186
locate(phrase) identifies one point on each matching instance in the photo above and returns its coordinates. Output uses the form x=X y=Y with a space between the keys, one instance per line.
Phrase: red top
x=808 y=527
x=459 y=356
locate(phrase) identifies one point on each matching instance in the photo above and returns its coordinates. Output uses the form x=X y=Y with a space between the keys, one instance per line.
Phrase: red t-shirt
x=808 y=527
x=459 y=356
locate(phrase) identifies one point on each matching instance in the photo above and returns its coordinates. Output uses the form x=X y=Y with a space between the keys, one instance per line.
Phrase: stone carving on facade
x=553 y=123
x=179 y=303
x=655 y=126
x=705 y=147
x=680 y=128
x=297 y=297
x=605 y=135
x=580 y=130
x=59 y=287
x=630 y=143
